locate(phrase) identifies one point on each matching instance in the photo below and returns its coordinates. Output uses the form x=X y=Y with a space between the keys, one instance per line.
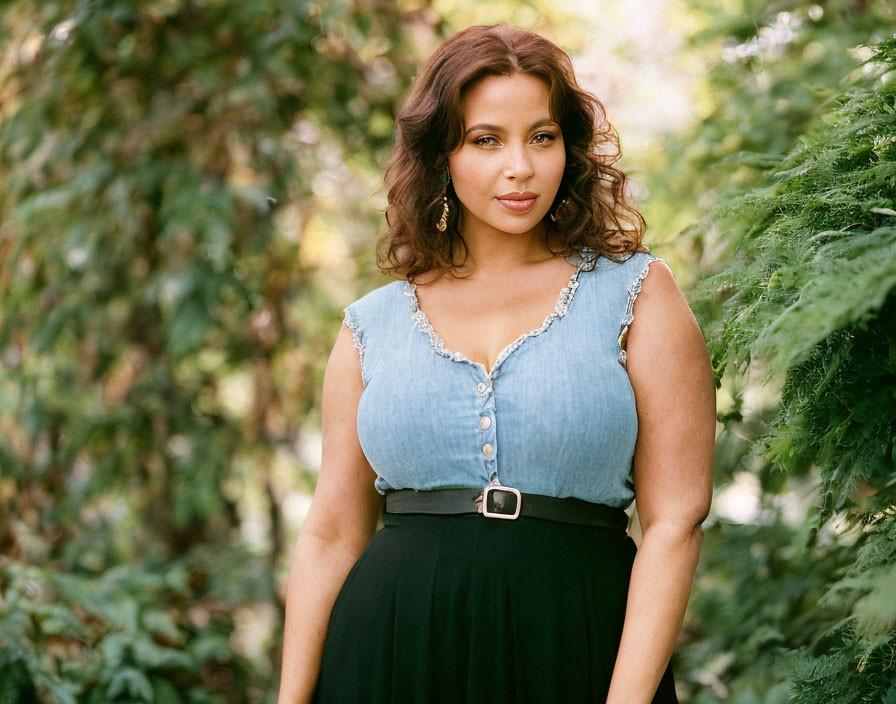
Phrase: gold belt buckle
x=499 y=501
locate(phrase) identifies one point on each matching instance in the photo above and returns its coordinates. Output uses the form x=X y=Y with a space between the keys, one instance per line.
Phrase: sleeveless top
x=556 y=417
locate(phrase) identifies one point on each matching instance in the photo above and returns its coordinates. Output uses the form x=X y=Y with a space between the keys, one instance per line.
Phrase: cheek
x=557 y=162
x=469 y=177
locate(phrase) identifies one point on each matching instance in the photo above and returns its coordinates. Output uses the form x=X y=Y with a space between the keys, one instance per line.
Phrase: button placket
x=488 y=442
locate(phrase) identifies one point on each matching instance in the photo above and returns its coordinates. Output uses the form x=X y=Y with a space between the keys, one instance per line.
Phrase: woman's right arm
x=341 y=521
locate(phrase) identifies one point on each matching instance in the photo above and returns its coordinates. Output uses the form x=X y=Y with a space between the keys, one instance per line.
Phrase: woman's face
x=511 y=146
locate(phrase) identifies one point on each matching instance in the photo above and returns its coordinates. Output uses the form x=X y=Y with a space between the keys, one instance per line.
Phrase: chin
x=516 y=227
x=520 y=225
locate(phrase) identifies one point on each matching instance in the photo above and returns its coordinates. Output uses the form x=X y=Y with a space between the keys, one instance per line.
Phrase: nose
x=519 y=164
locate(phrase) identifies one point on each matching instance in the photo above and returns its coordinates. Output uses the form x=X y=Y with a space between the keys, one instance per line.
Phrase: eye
x=550 y=138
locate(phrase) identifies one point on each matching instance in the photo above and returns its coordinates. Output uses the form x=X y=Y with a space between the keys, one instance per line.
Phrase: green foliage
x=757 y=597
x=159 y=353
x=811 y=289
x=855 y=659
x=767 y=71
x=784 y=619
x=795 y=163
x=149 y=632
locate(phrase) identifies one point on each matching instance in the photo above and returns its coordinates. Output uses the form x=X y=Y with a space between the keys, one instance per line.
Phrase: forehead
x=507 y=99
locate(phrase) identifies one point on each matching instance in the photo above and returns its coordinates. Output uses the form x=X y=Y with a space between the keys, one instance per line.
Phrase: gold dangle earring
x=555 y=215
x=443 y=221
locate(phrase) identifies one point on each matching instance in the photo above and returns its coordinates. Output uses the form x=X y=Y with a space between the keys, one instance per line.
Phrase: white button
x=485 y=422
x=481 y=387
x=487 y=449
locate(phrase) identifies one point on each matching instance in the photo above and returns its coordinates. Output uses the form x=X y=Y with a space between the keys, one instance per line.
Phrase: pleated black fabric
x=463 y=608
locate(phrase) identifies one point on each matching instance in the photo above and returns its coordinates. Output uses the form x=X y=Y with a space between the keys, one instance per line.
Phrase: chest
x=558 y=418
x=479 y=321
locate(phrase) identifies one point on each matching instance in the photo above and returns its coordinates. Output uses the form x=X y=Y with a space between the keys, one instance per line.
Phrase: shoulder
x=373 y=306
x=368 y=318
x=662 y=323
x=377 y=300
x=654 y=292
x=640 y=264
x=652 y=278
x=644 y=271
x=376 y=311
x=631 y=266
x=630 y=274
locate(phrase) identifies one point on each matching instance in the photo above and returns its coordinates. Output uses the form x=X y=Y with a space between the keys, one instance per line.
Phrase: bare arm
x=342 y=519
x=671 y=374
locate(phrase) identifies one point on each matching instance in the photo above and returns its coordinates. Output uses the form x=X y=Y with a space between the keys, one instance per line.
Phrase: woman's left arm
x=671 y=374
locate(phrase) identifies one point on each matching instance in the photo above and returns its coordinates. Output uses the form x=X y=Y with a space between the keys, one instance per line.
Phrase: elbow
x=678 y=516
x=683 y=528
x=700 y=516
x=694 y=523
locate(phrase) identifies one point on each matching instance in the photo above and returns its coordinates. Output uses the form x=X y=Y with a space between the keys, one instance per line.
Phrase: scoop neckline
x=561 y=307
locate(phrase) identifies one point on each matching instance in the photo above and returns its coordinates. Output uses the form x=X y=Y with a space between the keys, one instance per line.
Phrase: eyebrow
x=496 y=128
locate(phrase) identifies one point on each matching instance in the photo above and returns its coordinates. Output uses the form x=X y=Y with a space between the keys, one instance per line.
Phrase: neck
x=489 y=251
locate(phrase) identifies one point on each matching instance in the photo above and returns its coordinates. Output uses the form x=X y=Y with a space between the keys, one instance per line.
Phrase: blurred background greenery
x=190 y=192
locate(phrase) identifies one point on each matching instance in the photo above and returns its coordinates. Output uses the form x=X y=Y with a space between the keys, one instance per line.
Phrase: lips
x=516 y=203
x=518 y=195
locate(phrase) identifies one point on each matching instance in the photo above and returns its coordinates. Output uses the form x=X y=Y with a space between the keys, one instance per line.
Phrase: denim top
x=556 y=417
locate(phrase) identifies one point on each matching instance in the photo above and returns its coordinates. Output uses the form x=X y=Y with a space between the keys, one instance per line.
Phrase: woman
x=503 y=426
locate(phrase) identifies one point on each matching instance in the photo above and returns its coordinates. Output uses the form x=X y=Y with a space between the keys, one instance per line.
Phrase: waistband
x=503 y=502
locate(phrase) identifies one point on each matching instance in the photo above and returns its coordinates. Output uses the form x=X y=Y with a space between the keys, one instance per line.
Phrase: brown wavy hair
x=430 y=127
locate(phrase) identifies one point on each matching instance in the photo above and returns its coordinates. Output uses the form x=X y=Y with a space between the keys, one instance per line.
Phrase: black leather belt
x=497 y=501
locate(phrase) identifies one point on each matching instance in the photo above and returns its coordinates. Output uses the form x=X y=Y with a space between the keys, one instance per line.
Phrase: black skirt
x=464 y=608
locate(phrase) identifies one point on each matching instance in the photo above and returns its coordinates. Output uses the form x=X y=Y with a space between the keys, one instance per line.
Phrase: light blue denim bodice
x=556 y=417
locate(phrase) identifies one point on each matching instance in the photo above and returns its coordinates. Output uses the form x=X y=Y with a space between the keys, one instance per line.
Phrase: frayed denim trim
x=356 y=336
x=561 y=307
x=629 y=317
